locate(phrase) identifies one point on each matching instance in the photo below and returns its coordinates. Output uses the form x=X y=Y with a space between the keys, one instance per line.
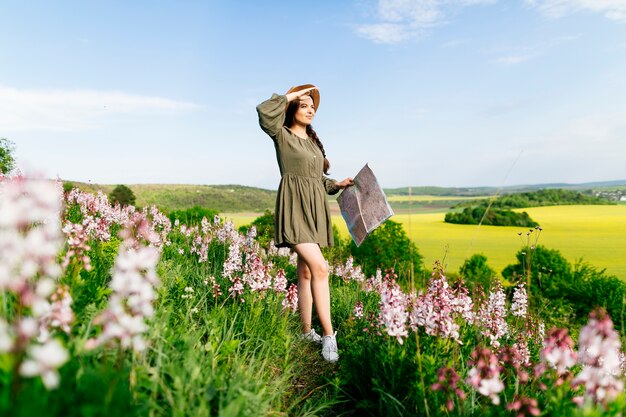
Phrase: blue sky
x=429 y=92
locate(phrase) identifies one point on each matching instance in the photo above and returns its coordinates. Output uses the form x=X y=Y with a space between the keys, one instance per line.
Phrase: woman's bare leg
x=311 y=255
x=305 y=299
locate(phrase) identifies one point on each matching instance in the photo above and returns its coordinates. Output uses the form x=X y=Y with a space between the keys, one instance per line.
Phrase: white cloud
x=513 y=59
x=400 y=20
x=75 y=110
x=385 y=32
x=611 y=9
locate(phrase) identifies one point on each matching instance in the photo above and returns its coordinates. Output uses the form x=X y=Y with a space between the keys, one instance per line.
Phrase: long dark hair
x=290 y=120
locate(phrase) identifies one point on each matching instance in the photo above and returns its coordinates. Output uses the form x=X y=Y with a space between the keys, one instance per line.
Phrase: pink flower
x=558 y=352
x=520 y=301
x=350 y=272
x=491 y=316
x=133 y=290
x=393 y=313
x=437 y=310
x=448 y=382
x=484 y=375
x=280 y=281
x=599 y=349
x=524 y=406
x=358 y=310
x=291 y=299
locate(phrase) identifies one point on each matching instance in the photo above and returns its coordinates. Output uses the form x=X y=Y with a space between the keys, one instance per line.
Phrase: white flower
x=44 y=360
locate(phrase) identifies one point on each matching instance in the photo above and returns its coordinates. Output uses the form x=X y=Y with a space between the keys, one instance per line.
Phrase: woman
x=302 y=218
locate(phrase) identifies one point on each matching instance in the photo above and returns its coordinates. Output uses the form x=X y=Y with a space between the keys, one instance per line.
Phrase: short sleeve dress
x=302 y=214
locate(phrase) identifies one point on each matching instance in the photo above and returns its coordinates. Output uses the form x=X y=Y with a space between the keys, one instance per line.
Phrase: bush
x=192 y=216
x=477 y=273
x=7 y=162
x=388 y=247
x=576 y=290
x=264 y=228
x=122 y=195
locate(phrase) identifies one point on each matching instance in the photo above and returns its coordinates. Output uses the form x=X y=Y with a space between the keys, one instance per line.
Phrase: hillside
x=223 y=198
x=483 y=191
x=238 y=198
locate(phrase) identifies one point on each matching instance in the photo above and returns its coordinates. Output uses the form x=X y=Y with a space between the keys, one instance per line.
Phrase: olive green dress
x=302 y=214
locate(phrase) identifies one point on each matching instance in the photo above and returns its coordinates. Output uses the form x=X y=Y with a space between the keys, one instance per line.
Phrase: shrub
x=476 y=272
x=192 y=216
x=7 y=162
x=388 y=247
x=122 y=195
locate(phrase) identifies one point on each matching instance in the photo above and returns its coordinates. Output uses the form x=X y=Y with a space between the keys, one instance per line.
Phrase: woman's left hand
x=345 y=183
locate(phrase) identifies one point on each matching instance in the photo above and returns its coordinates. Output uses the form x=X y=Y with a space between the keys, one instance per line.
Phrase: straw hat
x=315 y=94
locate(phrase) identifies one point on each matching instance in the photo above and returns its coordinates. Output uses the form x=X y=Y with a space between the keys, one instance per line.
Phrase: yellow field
x=595 y=233
x=431 y=198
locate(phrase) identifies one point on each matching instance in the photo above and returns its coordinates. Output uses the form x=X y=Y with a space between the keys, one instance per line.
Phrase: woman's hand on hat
x=297 y=94
x=345 y=183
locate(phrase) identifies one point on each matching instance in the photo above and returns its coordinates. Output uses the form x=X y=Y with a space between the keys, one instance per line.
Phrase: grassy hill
x=169 y=197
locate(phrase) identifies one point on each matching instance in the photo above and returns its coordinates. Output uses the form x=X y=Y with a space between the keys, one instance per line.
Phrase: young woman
x=302 y=218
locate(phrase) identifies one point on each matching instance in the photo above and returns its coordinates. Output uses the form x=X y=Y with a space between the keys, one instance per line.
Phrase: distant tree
x=68 y=186
x=123 y=195
x=476 y=272
x=7 y=162
x=388 y=247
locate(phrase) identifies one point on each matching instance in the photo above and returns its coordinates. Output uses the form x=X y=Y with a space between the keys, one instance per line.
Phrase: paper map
x=364 y=205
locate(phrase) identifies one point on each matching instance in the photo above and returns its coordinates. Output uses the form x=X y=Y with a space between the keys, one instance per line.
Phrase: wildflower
x=393 y=313
x=236 y=288
x=374 y=283
x=599 y=348
x=358 y=310
x=215 y=286
x=558 y=352
x=58 y=315
x=291 y=299
x=181 y=251
x=257 y=275
x=44 y=360
x=30 y=240
x=280 y=281
x=435 y=310
x=188 y=292
x=349 y=272
x=7 y=336
x=492 y=316
x=524 y=406
x=520 y=301
x=133 y=285
x=448 y=382
x=234 y=261
x=484 y=375
x=77 y=241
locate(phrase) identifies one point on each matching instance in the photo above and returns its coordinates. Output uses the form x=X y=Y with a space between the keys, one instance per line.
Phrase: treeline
x=499 y=211
x=494 y=217
x=547 y=197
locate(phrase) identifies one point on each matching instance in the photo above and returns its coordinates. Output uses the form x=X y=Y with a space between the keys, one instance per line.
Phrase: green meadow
x=596 y=234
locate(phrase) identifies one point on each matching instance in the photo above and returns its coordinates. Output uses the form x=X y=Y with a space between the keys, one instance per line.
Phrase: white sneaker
x=312 y=336
x=329 y=348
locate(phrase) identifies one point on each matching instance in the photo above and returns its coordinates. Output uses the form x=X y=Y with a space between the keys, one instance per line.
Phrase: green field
x=595 y=233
